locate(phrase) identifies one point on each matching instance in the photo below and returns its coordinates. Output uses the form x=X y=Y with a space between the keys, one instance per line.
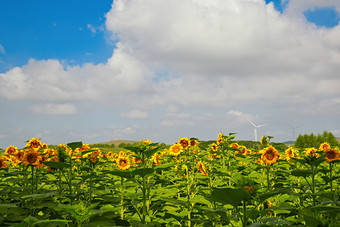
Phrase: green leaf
x=312 y=221
x=39 y=196
x=56 y=165
x=142 y=172
x=165 y=166
x=265 y=196
x=231 y=196
x=31 y=220
x=124 y=174
x=75 y=145
x=301 y=172
x=56 y=222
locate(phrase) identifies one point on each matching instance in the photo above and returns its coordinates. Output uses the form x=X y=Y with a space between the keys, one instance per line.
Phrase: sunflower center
x=31 y=158
x=123 y=162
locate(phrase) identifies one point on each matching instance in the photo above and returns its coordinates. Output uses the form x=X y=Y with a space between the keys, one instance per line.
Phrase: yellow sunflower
x=123 y=162
x=202 y=168
x=234 y=145
x=176 y=149
x=290 y=153
x=155 y=158
x=32 y=157
x=146 y=141
x=270 y=155
x=311 y=152
x=214 y=147
x=185 y=142
x=11 y=150
x=18 y=157
x=243 y=150
x=193 y=143
x=332 y=154
x=324 y=147
x=34 y=143
x=3 y=163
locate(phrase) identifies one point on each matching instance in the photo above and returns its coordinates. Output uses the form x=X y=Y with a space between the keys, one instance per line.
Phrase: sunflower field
x=184 y=184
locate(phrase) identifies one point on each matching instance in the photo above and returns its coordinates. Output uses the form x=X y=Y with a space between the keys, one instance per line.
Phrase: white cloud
x=55 y=109
x=135 y=114
x=214 y=56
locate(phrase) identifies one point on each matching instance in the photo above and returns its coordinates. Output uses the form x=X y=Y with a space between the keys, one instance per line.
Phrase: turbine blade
x=251 y=122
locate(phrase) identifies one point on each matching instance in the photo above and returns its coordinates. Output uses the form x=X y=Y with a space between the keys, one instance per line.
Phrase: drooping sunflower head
x=185 y=142
x=11 y=150
x=176 y=149
x=32 y=157
x=324 y=147
x=34 y=144
x=123 y=162
x=332 y=154
x=270 y=155
x=202 y=168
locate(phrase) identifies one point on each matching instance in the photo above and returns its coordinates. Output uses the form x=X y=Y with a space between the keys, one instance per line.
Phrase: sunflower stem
x=122 y=197
x=330 y=176
x=268 y=182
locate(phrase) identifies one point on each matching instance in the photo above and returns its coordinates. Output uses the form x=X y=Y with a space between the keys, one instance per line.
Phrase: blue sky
x=102 y=70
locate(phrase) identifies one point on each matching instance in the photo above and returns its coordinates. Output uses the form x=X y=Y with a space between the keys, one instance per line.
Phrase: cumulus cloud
x=55 y=109
x=134 y=114
x=203 y=55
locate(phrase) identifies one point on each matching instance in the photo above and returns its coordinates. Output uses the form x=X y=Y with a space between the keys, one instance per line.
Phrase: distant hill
x=117 y=142
x=289 y=142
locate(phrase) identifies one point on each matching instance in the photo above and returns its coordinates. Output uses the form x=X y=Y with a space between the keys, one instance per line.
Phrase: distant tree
x=306 y=141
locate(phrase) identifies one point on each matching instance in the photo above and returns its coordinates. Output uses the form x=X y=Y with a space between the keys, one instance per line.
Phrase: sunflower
x=185 y=142
x=311 y=152
x=202 y=168
x=249 y=189
x=155 y=158
x=270 y=155
x=290 y=153
x=214 y=147
x=18 y=157
x=219 y=141
x=324 y=147
x=11 y=150
x=332 y=154
x=3 y=163
x=34 y=144
x=32 y=157
x=176 y=149
x=146 y=141
x=93 y=159
x=264 y=140
x=193 y=143
x=234 y=145
x=123 y=162
x=243 y=150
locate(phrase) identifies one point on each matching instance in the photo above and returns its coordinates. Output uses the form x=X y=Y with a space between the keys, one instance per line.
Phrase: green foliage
x=307 y=141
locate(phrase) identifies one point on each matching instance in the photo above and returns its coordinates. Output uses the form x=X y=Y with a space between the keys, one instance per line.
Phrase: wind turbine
x=293 y=128
x=255 y=129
